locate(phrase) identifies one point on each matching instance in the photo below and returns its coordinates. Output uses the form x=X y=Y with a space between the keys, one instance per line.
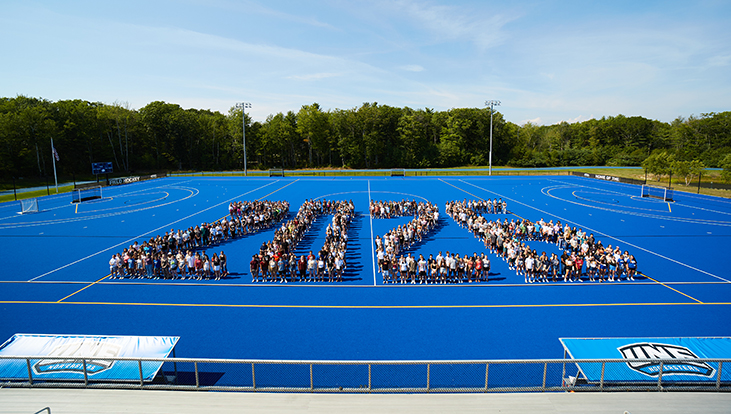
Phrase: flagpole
x=53 y=157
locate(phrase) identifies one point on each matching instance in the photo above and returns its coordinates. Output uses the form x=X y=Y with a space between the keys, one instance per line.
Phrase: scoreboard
x=101 y=168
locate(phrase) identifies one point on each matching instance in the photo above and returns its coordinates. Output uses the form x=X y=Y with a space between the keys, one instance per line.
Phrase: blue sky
x=547 y=61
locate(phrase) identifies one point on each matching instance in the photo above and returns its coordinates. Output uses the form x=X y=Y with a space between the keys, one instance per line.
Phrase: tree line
x=164 y=136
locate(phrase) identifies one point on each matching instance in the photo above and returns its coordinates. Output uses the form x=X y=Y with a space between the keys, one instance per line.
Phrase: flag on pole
x=54 y=159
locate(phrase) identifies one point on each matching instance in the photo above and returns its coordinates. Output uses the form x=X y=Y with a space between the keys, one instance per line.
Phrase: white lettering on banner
x=70 y=356
x=664 y=352
x=73 y=352
x=123 y=180
x=605 y=177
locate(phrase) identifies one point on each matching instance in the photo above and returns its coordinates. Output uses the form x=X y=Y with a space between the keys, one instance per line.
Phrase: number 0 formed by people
x=276 y=260
x=397 y=265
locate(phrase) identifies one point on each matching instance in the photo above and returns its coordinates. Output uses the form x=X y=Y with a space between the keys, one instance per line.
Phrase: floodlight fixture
x=243 y=106
x=491 y=104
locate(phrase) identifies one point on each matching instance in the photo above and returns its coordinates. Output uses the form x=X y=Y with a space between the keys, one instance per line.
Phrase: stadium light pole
x=243 y=106
x=491 y=104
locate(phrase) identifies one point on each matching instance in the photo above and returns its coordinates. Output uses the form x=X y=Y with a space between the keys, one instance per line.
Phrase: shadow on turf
x=354 y=254
x=431 y=236
x=188 y=377
x=492 y=278
x=307 y=243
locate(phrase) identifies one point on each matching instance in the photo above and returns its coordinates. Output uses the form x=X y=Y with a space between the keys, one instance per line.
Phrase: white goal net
x=29 y=205
x=83 y=194
x=663 y=193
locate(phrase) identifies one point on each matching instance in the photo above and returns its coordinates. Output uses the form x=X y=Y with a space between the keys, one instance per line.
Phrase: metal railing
x=473 y=376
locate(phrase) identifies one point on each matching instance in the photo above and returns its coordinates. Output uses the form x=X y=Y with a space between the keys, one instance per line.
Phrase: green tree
x=214 y=141
x=416 y=132
x=453 y=148
x=697 y=167
x=164 y=135
x=681 y=169
x=659 y=164
x=158 y=119
x=35 y=127
x=115 y=120
x=689 y=170
x=347 y=128
x=12 y=149
x=276 y=133
x=79 y=133
x=313 y=126
x=726 y=165
x=377 y=127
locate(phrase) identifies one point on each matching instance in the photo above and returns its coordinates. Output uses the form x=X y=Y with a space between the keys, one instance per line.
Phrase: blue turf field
x=53 y=279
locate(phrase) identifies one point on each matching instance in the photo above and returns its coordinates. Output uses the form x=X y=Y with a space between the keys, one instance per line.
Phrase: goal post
x=663 y=193
x=276 y=172
x=28 y=205
x=398 y=172
x=80 y=195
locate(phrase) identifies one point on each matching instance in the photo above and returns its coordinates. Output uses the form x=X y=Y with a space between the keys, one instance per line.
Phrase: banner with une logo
x=679 y=356
x=67 y=356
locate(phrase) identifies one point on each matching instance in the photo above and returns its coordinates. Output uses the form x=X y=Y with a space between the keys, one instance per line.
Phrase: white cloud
x=534 y=121
x=457 y=23
x=412 y=68
x=313 y=76
x=719 y=60
x=580 y=118
x=251 y=7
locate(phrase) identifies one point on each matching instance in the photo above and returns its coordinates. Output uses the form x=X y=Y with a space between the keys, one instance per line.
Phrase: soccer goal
x=29 y=205
x=79 y=195
x=663 y=193
x=276 y=172
x=398 y=172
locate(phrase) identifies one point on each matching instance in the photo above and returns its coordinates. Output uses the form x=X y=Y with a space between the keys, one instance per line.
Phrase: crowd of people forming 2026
x=182 y=254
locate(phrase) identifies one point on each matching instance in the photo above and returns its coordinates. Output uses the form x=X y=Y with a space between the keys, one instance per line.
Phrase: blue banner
x=681 y=352
x=67 y=354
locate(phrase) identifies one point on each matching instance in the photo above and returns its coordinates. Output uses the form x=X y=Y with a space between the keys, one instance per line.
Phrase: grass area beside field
x=678 y=184
x=6 y=184
x=320 y=172
x=638 y=173
x=37 y=193
x=634 y=173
